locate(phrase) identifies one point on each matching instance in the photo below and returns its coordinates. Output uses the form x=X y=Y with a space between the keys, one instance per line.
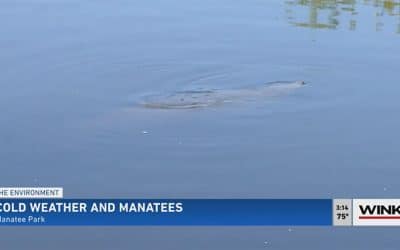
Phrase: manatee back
x=182 y=100
x=190 y=99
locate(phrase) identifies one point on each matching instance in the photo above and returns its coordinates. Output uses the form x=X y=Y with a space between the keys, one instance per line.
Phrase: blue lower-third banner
x=166 y=212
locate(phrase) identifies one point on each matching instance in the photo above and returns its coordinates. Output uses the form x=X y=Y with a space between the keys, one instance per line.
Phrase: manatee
x=200 y=98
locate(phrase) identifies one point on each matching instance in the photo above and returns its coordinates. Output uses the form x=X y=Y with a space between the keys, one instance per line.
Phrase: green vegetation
x=330 y=14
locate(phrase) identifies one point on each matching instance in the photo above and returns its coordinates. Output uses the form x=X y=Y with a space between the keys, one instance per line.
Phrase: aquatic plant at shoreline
x=332 y=14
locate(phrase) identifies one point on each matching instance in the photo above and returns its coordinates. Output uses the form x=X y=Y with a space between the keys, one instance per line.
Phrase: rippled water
x=71 y=71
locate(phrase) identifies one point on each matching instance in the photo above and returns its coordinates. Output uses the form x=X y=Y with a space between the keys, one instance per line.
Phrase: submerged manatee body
x=210 y=97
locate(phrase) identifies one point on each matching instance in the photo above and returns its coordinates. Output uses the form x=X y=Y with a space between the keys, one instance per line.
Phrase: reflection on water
x=348 y=14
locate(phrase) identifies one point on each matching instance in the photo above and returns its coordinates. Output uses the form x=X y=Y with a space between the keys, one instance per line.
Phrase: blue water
x=70 y=72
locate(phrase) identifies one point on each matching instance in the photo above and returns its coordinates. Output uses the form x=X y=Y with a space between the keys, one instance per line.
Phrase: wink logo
x=380 y=210
x=376 y=212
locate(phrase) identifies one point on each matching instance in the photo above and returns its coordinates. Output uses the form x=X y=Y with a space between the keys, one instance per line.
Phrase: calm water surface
x=70 y=72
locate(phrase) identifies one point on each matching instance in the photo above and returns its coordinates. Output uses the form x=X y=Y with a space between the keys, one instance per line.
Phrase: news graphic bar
x=33 y=211
x=166 y=212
